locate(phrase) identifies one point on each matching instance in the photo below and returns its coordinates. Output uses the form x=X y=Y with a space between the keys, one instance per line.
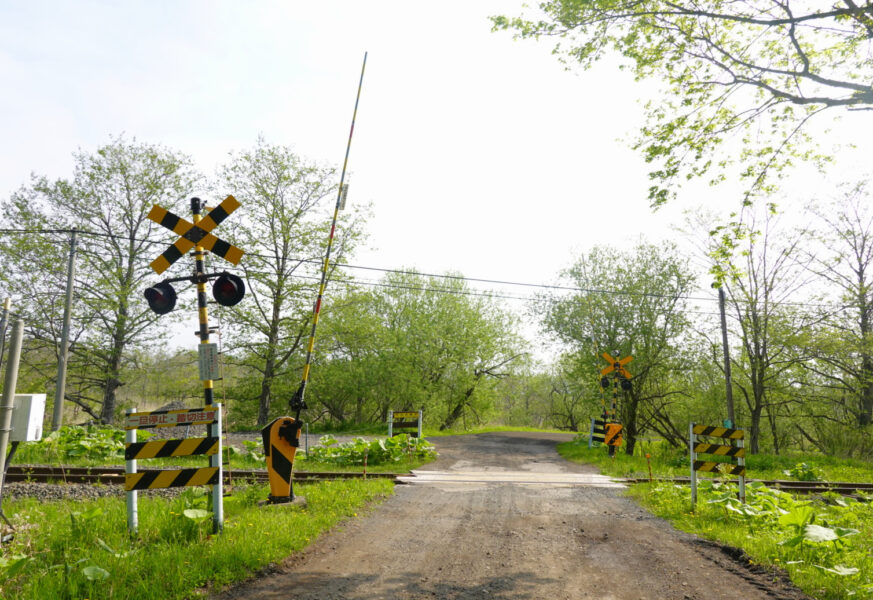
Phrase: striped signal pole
x=199 y=270
x=298 y=401
x=216 y=504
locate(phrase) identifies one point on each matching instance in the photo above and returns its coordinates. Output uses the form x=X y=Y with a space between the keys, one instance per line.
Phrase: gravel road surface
x=501 y=515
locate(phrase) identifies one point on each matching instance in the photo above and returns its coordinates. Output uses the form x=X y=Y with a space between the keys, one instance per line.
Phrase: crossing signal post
x=621 y=378
x=227 y=289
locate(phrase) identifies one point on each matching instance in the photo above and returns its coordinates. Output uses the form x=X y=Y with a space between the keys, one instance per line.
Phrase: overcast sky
x=479 y=154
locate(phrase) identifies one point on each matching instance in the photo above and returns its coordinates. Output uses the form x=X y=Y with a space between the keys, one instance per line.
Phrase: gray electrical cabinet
x=27 y=415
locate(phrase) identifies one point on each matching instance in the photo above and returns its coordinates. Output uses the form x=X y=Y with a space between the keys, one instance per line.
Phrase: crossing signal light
x=228 y=289
x=161 y=298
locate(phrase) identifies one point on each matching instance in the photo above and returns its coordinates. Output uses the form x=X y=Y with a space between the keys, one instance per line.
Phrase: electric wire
x=448 y=276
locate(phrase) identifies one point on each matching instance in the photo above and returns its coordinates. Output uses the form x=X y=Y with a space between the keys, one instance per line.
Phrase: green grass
x=668 y=462
x=775 y=529
x=768 y=528
x=66 y=550
x=97 y=447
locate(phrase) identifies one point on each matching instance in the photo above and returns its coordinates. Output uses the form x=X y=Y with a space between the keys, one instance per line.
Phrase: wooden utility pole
x=61 y=384
x=727 y=359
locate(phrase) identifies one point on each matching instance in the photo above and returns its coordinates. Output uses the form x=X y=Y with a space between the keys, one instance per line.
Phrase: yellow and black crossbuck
x=195 y=235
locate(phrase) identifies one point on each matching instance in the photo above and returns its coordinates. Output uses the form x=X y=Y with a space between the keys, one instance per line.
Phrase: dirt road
x=503 y=516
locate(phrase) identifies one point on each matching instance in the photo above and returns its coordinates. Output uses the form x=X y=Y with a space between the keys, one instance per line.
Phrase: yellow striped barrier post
x=404 y=420
x=735 y=450
x=596 y=432
x=135 y=480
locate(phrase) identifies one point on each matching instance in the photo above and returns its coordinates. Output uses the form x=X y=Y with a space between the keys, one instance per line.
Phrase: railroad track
x=110 y=475
x=800 y=487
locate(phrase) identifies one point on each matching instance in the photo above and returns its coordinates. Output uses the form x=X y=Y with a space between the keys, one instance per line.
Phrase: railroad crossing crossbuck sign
x=616 y=365
x=195 y=235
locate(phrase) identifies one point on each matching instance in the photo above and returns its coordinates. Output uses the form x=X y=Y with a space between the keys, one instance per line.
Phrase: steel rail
x=115 y=475
x=807 y=487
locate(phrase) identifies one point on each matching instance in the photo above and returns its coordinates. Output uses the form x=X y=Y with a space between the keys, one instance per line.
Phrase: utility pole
x=8 y=398
x=61 y=385
x=7 y=304
x=727 y=359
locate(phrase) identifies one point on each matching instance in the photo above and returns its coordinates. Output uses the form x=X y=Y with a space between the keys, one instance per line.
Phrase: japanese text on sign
x=138 y=420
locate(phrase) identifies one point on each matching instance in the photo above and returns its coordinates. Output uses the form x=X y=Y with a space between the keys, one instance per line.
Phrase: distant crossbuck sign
x=195 y=235
x=616 y=364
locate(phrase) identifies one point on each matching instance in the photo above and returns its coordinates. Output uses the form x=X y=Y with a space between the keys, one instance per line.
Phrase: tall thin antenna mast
x=297 y=401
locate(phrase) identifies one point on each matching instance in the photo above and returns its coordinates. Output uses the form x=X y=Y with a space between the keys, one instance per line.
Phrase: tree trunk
x=771 y=418
x=755 y=430
x=269 y=369
x=112 y=381
x=107 y=413
x=266 y=391
x=865 y=417
x=458 y=410
x=630 y=424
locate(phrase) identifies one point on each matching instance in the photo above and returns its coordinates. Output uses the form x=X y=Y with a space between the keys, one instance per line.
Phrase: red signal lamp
x=228 y=289
x=161 y=298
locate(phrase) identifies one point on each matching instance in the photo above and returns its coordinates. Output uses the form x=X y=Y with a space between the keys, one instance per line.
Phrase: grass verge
x=67 y=550
x=672 y=462
x=823 y=543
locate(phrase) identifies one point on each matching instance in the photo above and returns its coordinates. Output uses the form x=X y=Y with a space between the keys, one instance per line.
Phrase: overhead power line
x=542 y=286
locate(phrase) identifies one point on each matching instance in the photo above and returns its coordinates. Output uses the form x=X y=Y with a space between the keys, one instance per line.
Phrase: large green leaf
x=840 y=570
x=95 y=573
x=196 y=514
x=817 y=533
x=797 y=517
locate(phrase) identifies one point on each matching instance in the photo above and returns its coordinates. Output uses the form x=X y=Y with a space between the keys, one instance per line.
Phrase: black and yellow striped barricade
x=612 y=437
x=210 y=446
x=730 y=445
x=281 y=439
x=404 y=420
x=595 y=433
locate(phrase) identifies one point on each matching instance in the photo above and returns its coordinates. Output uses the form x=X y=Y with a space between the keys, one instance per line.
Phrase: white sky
x=480 y=154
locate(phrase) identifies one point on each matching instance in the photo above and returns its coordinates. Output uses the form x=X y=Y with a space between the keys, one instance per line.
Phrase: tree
x=764 y=278
x=288 y=207
x=846 y=231
x=632 y=303
x=747 y=70
x=570 y=400
x=415 y=342
x=107 y=200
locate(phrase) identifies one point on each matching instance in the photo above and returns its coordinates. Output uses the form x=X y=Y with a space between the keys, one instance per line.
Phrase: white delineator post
x=130 y=467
